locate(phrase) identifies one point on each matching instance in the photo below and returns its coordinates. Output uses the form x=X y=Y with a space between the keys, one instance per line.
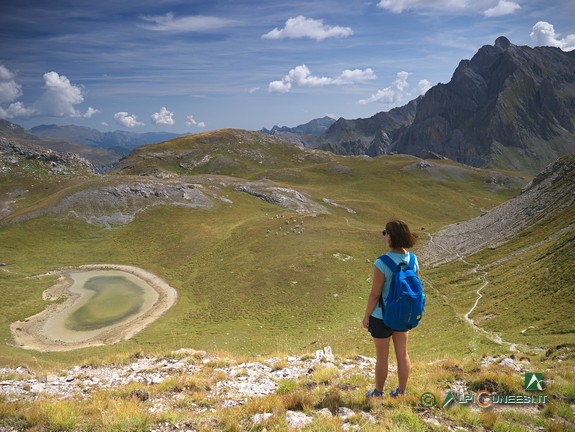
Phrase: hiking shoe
x=374 y=393
x=397 y=392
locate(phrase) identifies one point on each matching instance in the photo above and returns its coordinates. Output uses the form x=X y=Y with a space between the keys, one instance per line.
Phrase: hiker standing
x=399 y=239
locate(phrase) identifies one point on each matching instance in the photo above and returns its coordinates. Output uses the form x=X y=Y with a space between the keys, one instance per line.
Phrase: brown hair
x=400 y=235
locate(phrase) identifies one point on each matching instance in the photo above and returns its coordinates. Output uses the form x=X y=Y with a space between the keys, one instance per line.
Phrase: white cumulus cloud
x=543 y=34
x=398 y=92
x=191 y=121
x=302 y=27
x=17 y=110
x=90 y=112
x=165 y=117
x=127 y=120
x=59 y=98
x=195 y=23
x=10 y=90
x=504 y=7
x=302 y=76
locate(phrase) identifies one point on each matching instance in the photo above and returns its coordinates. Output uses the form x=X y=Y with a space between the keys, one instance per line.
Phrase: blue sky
x=193 y=66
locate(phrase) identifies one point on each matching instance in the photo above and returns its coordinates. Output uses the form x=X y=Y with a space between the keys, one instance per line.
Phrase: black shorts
x=378 y=329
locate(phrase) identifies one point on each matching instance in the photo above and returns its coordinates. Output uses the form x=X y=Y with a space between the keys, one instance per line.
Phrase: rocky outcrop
x=284 y=197
x=545 y=197
x=13 y=153
x=118 y=203
x=226 y=383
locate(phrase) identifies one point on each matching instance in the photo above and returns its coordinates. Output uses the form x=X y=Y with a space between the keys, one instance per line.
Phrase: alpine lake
x=104 y=299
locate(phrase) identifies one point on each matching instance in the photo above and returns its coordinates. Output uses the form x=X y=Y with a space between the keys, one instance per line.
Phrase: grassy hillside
x=254 y=277
x=257 y=279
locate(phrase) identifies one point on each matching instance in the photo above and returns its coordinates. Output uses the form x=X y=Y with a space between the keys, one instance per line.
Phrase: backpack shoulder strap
x=411 y=264
x=389 y=263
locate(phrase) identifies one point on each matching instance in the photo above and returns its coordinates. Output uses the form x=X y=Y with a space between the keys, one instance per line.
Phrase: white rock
x=324 y=412
x=344 y=413
x=432 y=421
x=260 y=418
x=297 y=419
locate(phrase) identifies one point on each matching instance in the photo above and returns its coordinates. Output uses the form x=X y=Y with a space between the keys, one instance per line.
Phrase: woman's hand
x=365 y=322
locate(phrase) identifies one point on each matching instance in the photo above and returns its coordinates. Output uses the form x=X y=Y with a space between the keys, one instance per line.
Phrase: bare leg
x=402 y=356
x=381 y=363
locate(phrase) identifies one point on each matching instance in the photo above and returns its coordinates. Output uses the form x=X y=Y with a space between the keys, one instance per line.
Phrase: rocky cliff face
x=508 y=107
x=511 y=106
x=372 y=136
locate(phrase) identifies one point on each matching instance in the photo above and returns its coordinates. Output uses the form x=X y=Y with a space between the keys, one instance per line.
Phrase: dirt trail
x=482 y=276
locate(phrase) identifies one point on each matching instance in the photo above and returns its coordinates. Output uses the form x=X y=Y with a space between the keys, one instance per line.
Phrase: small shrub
x=332 y=400
x=488 y=418
x=285 y=386
x=299 y=400
x=325 y=374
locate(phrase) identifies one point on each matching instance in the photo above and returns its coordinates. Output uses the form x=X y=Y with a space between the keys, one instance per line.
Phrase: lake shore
x=29 y=334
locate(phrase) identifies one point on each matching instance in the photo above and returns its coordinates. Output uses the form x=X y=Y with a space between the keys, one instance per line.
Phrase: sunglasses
x=384 y=232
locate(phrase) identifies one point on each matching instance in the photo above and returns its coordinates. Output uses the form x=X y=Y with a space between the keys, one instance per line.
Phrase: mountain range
x=509 y=106
x=119 y=141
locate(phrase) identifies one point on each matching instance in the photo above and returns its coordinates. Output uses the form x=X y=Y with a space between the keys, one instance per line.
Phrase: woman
x=399 y=238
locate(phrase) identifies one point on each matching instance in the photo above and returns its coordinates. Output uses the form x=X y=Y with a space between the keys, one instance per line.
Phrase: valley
x=270 y=248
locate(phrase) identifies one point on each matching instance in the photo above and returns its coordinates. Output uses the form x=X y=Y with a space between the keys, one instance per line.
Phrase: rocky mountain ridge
x=509 y=107
x=313 y=127
x=13 y=153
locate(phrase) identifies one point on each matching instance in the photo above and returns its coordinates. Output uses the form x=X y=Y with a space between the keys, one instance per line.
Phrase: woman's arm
x=376 y=287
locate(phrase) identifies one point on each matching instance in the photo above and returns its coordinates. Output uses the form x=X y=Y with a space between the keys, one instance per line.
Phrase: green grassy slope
x=248 y=284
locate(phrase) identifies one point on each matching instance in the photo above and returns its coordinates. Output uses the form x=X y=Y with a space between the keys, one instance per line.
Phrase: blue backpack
x=405 y=302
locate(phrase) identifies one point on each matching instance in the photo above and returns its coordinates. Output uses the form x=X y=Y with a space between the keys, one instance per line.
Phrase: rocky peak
x=502 y=42
x=507 y=107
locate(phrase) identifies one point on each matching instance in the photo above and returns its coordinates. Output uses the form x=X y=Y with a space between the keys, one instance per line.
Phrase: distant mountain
x=12 y=130
x=305 y=135
x=509 y=106
x=119 y=141
x=372 y=136
x=103 y=149
x=313 y=127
